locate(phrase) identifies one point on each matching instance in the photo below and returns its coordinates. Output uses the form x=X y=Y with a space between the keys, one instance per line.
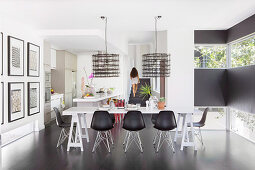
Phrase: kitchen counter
x=95 y=100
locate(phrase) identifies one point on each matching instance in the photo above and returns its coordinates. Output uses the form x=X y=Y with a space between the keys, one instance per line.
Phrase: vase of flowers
x=87 y=90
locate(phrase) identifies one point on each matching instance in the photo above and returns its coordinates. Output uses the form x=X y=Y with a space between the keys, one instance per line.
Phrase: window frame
x=229 y=57
x=208 y=45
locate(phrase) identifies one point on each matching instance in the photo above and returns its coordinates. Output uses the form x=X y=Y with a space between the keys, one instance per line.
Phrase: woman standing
x=134 y=79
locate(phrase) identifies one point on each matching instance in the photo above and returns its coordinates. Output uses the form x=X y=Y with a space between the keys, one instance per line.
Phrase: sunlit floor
x=37 y=151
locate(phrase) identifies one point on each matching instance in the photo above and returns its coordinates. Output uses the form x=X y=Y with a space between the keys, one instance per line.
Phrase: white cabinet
x=53 y=58
x=68 y=100
x=56 y=101
x=70 y=61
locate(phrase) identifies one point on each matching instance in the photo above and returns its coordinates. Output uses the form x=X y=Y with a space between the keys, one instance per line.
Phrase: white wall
x=28 y=35
x=85 y=60
x=135 y=53
x=180 y=84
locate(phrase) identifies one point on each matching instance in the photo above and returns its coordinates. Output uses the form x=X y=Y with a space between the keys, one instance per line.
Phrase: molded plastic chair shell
x=101 y=121
x=166 y=121
x=133 y=121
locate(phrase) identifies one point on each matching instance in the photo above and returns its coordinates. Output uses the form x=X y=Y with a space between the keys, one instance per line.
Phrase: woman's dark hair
x=133 y=73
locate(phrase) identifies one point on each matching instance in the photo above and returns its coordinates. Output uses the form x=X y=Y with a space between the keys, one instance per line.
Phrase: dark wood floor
x=37 y=151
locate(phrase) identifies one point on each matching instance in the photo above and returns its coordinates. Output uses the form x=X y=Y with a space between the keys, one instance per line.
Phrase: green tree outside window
x=243 y=53
x=210 y=57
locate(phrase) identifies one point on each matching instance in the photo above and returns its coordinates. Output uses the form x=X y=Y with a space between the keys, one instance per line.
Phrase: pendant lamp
x=105 y=64
x=156 y=64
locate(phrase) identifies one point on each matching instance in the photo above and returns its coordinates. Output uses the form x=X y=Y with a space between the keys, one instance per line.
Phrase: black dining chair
x=200 y=124
x=164 y=124
x=133 y=122
x=103 y=123
x=64 y=133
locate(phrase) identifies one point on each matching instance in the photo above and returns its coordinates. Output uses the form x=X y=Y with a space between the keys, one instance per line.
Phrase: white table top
x=96 y=98
x=91 y=110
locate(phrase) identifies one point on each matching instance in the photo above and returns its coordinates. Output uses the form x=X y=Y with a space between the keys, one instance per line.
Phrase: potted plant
x=145 y=91
x=161 y=103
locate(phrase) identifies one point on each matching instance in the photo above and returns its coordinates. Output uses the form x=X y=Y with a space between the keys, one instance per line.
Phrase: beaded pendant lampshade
x=105 y=65
x=156 y=64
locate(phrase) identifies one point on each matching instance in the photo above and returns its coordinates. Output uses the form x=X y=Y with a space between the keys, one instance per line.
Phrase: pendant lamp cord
x=105 y=32
x=156 y=34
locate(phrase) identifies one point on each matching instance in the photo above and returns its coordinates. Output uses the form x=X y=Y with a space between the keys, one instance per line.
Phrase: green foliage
x=162 y=99
x=243 y=53
x=145 y=91
x=211 y=56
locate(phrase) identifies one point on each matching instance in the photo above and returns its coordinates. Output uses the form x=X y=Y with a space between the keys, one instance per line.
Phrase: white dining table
x=79 y=118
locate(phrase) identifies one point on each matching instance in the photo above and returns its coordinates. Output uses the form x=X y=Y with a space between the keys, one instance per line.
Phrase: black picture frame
x=2 y=53
x=2 y=88
x=28 y=60
x=28 y=98
x=9 y=102
x=9 y=57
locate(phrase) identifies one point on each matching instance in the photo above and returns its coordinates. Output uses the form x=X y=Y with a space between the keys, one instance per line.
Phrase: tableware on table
x=103 y=109
x=106 y=106
x=138 y=105
x=147 y=104
x=131 y=108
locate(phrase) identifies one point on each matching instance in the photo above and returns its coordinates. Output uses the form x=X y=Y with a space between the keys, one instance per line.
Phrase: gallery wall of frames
x=21 y=78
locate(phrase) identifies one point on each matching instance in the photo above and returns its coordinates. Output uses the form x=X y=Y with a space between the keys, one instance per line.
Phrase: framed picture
x=33 y=98
x=15 y=56
x=1 y=52
x=33 y=60
x=2 y=101
x=15 y=101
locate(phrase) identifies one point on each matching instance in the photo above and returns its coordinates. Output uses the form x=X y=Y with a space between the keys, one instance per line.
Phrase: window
x=215 y=120
x=243 y=53
x=210 y=56
x=243 y=124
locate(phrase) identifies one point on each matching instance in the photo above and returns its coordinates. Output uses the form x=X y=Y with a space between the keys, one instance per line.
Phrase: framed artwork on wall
x=15 y=101
x=15 y=56
x=2 y=101
x=33 y=60
x=1 y=52
x=33 y=98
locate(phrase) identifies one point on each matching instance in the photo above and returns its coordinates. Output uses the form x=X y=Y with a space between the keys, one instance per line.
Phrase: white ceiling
x=127 y=15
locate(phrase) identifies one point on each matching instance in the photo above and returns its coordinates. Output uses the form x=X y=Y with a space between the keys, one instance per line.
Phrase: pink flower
x=91 y=76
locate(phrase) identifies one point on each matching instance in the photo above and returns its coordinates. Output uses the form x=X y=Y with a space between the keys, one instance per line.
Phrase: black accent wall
x=241 y=88
x=242 y=29
x=210 y=87
x=210 y=36
x=234 y=87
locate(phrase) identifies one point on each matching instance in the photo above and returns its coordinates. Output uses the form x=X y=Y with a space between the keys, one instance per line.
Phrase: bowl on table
x=131 y=107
